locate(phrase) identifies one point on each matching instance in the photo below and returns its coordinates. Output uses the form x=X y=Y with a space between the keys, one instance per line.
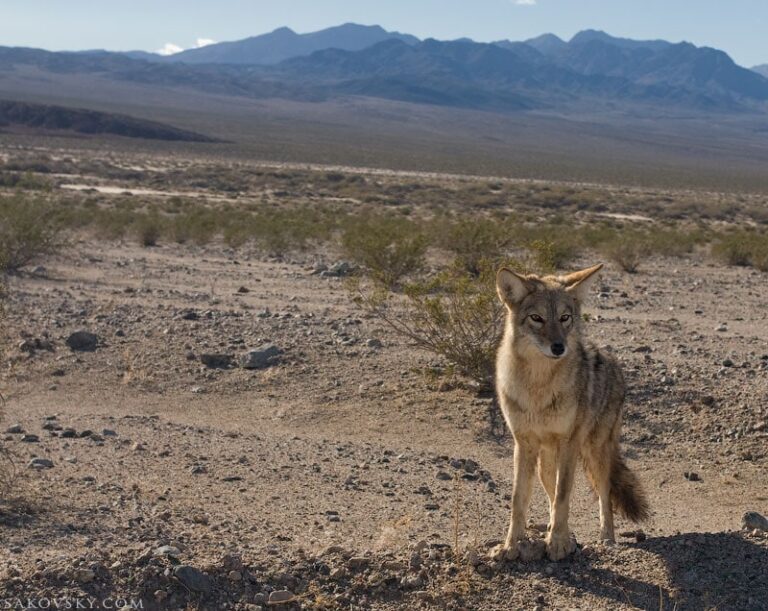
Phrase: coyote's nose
x=557 y=349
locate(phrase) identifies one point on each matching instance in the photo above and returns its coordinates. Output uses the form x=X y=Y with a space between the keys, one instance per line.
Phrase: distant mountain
x=703 y=70
x=515 y=75
x=46 y=117
x=762 y=70
x=591 y=71
x=547 y=43
x=284 y=43
x=145 y=55
x=586 y=36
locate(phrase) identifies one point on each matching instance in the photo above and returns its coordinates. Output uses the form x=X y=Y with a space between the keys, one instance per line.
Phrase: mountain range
x=762 y=69
x=284 y=43
x=591 y=70
x=595 y=107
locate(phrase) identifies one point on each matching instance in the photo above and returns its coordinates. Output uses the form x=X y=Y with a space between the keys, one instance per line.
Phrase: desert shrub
x=473 y=240
x=627 y=250
x=389 y=248
x=747 y=248
x=198 y=225
x=551 y=245
x=454 y=314
x=27 y=180
x=280 y=231
x=112 y=224
x=546 y=255
x=29 y=229
x=148 y=228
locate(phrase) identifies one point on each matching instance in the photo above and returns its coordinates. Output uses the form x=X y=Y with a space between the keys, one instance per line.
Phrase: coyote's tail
x=627 y=494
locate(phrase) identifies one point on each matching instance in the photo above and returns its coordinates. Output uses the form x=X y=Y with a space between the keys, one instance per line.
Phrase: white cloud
x=169 y=49
x=525 y=2
x=204 y=42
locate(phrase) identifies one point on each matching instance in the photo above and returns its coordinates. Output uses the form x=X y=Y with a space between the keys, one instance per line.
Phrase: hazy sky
x=739 y=27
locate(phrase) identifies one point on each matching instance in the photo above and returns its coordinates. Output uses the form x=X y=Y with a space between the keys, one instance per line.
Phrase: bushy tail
x=627 y=494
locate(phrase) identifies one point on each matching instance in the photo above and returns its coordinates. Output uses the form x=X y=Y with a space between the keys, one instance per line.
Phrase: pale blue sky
x=739 y=27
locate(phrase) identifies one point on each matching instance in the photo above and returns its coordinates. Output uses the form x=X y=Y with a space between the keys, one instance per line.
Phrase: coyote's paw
x=560 y=546
x=502 y=552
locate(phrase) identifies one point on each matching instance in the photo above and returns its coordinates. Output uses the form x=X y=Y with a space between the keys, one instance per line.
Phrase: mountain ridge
x=592 y=70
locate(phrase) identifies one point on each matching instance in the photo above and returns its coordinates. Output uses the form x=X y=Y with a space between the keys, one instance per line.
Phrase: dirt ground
x=343 y=472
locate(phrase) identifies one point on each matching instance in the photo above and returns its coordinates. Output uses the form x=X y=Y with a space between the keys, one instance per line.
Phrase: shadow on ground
x=703 y=571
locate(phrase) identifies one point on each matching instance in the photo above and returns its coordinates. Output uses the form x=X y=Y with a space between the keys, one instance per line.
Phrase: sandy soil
x=342 y=472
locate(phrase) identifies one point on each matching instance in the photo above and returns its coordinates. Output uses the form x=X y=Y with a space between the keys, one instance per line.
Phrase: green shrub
x=552 y=245
x=198 y=225
x=473 y=240
x=29 y=229
x=389 y=248
x=747 y=248
x=628 y=250
x=149 y=227
x=454 y=314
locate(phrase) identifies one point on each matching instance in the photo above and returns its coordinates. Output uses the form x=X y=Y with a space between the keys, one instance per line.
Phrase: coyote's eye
x=536 y=318
x=565 y=318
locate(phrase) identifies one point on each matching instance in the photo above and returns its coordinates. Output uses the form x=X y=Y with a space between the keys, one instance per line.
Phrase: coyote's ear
x=512 y=287
x=578 y=283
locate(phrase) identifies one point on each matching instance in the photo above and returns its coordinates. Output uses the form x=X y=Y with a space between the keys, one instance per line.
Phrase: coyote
x=562 y=399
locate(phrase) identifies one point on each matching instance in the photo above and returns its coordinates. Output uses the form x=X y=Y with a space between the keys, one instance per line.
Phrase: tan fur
x=562 y=398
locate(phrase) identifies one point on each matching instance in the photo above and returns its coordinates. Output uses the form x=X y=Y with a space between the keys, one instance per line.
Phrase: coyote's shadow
x=703 y=571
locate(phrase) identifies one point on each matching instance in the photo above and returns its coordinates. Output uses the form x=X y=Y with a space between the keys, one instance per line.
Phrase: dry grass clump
x=389 y=248
x=29 y=230
x=747 y=248
x=453 y=314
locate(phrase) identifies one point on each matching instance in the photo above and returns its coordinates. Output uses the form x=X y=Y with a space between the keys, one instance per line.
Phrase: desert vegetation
x=188 y=339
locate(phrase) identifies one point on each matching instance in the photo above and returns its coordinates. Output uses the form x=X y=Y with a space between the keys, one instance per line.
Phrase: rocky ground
x=236 y=434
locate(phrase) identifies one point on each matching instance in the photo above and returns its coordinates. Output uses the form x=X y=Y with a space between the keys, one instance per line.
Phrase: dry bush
x=473 y=240
x=746 y=248
x=148 y=228
x=389 y=248
x=453 y=314
x=29 y=230
x=627 y=252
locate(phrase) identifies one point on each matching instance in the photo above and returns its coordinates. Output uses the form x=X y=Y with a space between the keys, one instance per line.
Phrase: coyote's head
x=545 y=312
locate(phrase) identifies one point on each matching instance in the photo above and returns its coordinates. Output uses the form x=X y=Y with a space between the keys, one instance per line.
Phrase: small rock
x=358 y=562
x=243 y=289
x=727 y=363
x=261 y=357
x=83 y=575
x=30 y=438
x=692 y=476
x=15 y=429
x=443 y=475
x=193 y=578
x=281 y=597
x=167 y=550
x=83 y=341
x=374 y=343
x=235 y=576
x=338 y=270
x=216 y=361
x=40 y=463
x=754 y=521
x=68 y=433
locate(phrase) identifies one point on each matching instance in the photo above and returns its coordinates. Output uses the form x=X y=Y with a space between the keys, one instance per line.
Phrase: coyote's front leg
x=526 y=453
x=559 y=542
